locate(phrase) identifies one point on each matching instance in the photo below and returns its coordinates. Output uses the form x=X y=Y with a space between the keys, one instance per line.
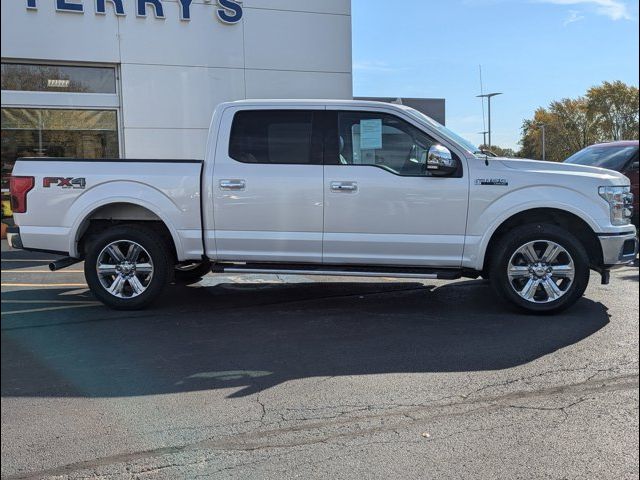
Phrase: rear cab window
x=275 y=137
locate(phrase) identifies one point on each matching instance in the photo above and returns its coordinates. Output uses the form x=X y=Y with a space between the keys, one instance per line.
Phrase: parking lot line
x=41 y=271
x=46 y=309
x=66 y=302
x=28 y=259
x=44 y=285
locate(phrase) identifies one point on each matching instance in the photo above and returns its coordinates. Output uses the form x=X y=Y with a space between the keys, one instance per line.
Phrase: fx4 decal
x=68 y=182
x=492 y=181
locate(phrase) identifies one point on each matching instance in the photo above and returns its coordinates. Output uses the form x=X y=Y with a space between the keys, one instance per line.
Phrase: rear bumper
x=13 y=237
x=39 y=239
x=618 y=250
x=15 y=241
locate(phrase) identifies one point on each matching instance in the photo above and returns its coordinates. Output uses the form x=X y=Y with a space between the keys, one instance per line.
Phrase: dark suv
x=620 y=156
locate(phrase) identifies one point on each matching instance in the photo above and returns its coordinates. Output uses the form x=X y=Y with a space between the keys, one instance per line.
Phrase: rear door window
x=273 y=137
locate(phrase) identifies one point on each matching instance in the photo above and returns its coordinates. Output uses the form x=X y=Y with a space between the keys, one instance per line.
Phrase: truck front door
x=382 y=207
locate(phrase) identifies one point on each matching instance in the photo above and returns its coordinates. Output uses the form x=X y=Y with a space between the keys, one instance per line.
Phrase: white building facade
x=140 y=79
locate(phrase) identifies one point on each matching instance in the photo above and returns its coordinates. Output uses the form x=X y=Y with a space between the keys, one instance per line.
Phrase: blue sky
x=534 y=51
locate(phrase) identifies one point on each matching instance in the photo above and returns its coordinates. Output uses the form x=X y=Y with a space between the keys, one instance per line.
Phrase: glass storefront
x=30 y=132
x=57 y=78
x=34 y=130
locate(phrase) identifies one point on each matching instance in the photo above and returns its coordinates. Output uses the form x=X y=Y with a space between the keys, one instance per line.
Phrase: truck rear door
x=267 y=185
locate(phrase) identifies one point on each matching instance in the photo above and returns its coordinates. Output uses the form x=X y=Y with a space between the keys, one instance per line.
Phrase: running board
x=338 y=270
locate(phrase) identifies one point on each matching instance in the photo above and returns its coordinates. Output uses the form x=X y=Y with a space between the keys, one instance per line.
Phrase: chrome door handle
x=344 y=186
x=232 y=184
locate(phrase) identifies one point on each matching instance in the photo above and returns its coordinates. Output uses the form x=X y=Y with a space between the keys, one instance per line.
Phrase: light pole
x=484 y=137
x=488 y=96
x=544 y=142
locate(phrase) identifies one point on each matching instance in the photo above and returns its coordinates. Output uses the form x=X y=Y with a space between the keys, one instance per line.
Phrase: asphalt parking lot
x=295 y=377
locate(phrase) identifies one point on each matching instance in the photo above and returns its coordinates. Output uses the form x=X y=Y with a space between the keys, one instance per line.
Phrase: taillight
x=19 y=187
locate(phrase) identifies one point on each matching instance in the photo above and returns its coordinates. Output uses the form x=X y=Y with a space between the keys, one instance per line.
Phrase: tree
x=563 y=134
x=499 y=151
x=614 y=107
x=607 y=112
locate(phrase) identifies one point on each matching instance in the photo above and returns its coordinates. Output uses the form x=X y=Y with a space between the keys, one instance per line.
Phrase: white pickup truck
x=330 y=188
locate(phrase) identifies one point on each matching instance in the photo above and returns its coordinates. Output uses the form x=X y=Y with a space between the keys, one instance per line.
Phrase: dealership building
x=140 y=78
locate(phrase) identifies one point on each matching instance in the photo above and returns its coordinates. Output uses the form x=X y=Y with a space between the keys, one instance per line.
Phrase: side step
x=339 y=270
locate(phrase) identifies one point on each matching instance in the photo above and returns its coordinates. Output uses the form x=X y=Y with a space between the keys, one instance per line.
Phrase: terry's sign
x=229 y=11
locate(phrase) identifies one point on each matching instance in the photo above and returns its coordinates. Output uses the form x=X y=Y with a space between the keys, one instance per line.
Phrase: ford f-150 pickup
x=331 y=188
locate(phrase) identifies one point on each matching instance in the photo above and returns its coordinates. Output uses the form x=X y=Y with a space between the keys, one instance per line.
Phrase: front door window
x=384 y=141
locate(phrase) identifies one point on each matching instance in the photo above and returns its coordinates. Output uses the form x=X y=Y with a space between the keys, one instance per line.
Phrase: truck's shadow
x=249 y=337
x=20 y=259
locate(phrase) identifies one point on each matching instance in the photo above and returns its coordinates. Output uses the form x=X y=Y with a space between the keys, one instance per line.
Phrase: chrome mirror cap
x=440 y=159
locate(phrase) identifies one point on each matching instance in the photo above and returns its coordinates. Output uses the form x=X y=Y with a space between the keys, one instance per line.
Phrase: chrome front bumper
x=618 y=250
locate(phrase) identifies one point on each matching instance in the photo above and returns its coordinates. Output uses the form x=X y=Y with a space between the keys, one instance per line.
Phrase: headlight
x=620 y=200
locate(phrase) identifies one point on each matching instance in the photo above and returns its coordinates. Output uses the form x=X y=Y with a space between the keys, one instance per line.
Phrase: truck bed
x=69 y=191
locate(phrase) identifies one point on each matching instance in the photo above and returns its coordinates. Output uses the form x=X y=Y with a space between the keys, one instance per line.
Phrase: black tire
x=191 y=273
x=512 y=241
x=160 y=258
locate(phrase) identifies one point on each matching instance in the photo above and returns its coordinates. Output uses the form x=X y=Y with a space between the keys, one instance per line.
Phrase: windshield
x=446 y=132
x=604 y=156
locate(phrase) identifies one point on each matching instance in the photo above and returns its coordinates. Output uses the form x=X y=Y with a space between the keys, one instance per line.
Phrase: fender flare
x=523 y=207
x=80 y=211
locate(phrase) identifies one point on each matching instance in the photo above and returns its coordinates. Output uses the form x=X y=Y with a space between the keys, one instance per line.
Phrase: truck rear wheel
x=127 y=267
x=540 y=268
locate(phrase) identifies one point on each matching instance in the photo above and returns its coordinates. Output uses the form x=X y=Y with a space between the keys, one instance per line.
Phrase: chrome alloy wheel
x=541 y=271
x=124 y=269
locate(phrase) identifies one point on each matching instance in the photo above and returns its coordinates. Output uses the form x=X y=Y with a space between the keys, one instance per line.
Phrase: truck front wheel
x=127 y=267
x=540 y=268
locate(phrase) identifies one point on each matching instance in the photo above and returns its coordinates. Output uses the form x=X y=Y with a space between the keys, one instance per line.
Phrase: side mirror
x=633 y=167
x=440 y=162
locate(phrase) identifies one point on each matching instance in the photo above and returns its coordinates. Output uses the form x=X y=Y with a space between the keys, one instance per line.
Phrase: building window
x=53 y=110
x=30 y=132
x=58 y=78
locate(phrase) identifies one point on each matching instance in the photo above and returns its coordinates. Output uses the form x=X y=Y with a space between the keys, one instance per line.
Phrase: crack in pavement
x=589 y=366
x=346 y=409
x=563 y=409
x=411 y=416
x=262 y=406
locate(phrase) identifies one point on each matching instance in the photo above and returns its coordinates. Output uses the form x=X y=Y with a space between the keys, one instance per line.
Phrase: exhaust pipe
x=63 y=263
